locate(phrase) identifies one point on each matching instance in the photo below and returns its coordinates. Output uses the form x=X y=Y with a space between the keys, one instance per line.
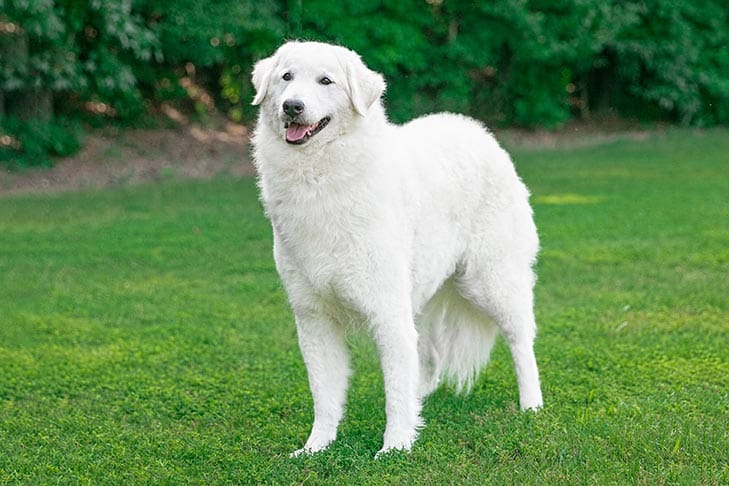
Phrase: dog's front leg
x=397 y=343
x=325 y=354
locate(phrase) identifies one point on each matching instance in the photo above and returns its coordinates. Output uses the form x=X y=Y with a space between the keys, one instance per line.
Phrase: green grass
x=145 y=338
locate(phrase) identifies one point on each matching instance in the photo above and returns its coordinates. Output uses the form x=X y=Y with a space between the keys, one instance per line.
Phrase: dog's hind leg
x=325 y=353
x=506 y=296
x=519 y=330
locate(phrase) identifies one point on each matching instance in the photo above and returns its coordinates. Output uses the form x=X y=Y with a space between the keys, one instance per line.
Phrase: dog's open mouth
x=298 y=134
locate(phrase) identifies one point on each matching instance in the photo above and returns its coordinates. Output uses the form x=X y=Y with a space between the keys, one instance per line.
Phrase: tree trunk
x=28 y=103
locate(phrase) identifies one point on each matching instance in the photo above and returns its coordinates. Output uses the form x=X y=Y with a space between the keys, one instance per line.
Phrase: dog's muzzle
x=297 y=133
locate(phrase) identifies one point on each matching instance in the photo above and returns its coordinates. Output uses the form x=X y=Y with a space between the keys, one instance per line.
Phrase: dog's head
x=308 y=88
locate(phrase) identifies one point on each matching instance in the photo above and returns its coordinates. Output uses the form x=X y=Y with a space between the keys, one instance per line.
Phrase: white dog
x=421 y=232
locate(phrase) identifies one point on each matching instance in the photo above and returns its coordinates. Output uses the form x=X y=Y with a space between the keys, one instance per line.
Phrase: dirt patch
x=115 y=157
x=577 y=134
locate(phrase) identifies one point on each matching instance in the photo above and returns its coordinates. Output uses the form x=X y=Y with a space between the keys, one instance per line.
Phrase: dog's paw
x=300 y=452
x=401 y=440
x=386 y=450
x=531 y=404
x=312 y=447
x=297 y=453
x=531 y=408
x=306 y=451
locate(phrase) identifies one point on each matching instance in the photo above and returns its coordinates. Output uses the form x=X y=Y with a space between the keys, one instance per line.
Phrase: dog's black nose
x=293 y=108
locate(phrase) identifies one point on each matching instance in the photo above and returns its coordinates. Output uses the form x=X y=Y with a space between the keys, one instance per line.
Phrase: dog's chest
x=322 y=239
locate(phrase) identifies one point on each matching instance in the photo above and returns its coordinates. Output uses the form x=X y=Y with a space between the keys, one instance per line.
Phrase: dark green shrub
x=508 y=62
x=212 y=45
x=91 y=49
x=32 y=142
x=538 y=62
x=675 y=59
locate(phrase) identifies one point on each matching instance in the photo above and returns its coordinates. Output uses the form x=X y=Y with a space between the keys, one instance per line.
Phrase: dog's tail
x=455 y=341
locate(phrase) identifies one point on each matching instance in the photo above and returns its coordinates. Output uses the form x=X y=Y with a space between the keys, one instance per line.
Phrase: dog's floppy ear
x=261 y=75
x=365 y=86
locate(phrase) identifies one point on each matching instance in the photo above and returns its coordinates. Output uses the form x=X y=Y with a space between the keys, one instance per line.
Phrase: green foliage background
x=507 y=62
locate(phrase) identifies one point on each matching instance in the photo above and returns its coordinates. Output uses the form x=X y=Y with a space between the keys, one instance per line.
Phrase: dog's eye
x=288 y=76
x=325 y=81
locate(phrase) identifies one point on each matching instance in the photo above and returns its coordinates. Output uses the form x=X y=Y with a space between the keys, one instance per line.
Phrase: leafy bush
x=539 y=62
x=33 y=141
x=91 y=49
x=508 y=62
x=211 y=45
x=674 y=58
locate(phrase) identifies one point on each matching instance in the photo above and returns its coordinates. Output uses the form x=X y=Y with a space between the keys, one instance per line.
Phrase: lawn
x=145 y=338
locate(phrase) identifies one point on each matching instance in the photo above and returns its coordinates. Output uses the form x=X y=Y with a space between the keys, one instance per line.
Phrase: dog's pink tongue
x=296 y=132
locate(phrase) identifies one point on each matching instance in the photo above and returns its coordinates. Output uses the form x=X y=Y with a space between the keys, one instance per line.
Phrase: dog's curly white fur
x=422 y=231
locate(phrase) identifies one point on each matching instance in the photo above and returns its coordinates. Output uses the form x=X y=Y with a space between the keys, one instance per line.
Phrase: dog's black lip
x=318 y=128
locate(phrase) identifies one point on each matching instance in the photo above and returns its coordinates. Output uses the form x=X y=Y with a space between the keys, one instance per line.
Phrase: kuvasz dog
x=420 y=233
